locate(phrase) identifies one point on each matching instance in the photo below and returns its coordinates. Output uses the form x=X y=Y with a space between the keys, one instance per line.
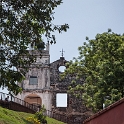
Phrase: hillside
x=13 y=117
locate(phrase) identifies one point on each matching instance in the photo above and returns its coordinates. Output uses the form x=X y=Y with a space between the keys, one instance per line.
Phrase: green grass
x=53 y=121
x=13 y=117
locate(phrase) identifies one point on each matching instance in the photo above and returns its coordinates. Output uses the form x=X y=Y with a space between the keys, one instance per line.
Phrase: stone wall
x=41 y=70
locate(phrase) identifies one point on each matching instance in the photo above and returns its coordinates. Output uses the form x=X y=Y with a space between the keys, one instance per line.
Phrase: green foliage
x=101 y=61
x=33 y=120
x=39 y=117
x=53 y=121
x=41 y=114
x=13 y=117
x=24 y=22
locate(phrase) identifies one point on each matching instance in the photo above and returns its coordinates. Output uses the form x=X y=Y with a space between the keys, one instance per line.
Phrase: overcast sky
x=85 y=18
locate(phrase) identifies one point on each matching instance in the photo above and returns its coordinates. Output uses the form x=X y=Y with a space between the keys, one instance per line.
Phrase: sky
x=85 y=18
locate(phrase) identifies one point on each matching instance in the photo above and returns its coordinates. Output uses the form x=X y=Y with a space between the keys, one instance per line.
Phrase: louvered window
x=33 y=80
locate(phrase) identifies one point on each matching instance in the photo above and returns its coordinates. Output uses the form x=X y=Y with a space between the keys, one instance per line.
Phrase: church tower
x=36 y=86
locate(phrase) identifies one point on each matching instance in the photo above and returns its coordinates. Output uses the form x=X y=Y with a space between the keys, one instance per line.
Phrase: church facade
x=42 y=84
x=36 y=86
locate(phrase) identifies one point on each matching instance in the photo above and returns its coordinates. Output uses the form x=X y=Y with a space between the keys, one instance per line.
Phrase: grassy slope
x=13 y=117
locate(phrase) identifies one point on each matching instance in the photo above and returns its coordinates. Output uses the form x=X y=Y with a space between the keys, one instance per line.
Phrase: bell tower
x=36 y=86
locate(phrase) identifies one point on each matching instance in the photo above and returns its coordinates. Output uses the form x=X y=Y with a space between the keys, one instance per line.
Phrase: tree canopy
x=101 y=62
x=24 y=22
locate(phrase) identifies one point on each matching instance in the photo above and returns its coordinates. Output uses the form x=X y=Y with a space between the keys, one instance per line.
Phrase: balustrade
x=14 y=99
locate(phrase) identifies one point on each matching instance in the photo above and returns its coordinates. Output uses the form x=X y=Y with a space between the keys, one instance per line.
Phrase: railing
x=63 y=117
x=68 y=119
x=11 y=98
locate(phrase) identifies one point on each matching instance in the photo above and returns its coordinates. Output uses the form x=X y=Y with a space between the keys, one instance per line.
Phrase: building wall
x=45 y=96
x=42 y=75
x=111 y=116
x=41 y=70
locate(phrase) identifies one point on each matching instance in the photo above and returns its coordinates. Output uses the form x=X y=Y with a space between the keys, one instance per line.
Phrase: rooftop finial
x=62 y=52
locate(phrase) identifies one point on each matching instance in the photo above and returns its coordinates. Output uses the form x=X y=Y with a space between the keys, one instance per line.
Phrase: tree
x=101 y=61
x=24 y=22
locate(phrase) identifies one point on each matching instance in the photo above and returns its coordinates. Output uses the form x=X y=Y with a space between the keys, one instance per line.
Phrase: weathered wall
x=45 y=96
x=41 y=70
x=75 y=107
x=42 y=75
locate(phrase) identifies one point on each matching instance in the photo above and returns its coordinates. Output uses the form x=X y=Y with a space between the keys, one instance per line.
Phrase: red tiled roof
x=104 y=110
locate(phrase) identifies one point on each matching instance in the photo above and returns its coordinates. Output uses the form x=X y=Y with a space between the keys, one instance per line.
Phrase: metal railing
x=63 y=117
x=12 y=98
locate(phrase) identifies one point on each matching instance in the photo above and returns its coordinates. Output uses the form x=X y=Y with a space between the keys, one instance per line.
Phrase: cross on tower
x=62 y=52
